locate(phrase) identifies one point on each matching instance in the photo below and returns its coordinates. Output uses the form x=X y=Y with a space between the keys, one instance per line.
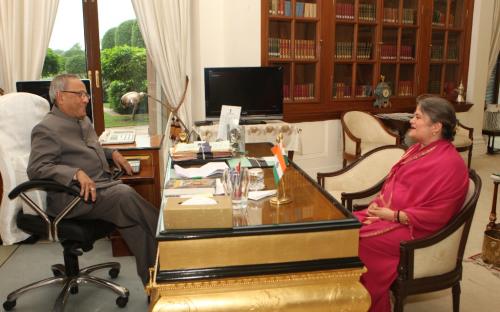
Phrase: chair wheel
x=121 y=301
x=113 y=273
x=73 y=290
x=9 y=305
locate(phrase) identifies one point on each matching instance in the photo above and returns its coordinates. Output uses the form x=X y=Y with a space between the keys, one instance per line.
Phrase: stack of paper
x=209 y=169
x=200 y=150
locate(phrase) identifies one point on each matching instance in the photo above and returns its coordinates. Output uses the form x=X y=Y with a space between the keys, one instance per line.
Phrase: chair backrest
x=365 y=126
x=446 y=253
x=367 y=171
x=19 y=113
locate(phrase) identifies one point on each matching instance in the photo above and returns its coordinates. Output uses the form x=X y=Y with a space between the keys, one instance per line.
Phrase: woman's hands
x=377 y=213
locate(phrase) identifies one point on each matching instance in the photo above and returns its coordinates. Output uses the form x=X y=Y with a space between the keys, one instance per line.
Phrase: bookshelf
x=292 y=33
x=334 y=58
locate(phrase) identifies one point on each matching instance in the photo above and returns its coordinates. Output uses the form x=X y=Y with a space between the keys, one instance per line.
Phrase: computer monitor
x=41 y=88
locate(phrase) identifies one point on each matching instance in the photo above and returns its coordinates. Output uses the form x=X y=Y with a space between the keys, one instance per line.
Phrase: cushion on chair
x=462 y=140
x=82 y=231
x=441 y=257
x=38 y=197
x=15 y=137
x=366 y=127
x=365 y=173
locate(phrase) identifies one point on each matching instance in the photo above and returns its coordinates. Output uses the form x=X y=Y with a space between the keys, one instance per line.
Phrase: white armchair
x=16 y=109
x=361 y=180
x=463 y=141
x=363 y=132
x=434 y=263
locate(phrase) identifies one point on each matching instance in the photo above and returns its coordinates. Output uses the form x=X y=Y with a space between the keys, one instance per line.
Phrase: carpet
x=6 y=252
x=477 y=259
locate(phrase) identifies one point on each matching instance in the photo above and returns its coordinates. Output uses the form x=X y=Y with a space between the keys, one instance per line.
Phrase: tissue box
x=177 y=216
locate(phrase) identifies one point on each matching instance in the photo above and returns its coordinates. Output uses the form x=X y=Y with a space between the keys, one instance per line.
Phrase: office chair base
x=70 y=285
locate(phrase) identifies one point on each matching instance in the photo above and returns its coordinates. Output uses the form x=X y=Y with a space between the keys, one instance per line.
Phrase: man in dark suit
x=65 y=148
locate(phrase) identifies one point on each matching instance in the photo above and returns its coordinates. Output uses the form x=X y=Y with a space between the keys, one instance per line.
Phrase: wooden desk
x=146 y=182
x=301 y=256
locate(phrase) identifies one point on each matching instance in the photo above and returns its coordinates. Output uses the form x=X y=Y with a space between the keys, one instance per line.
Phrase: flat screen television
x=41 y=88
x=258 y=90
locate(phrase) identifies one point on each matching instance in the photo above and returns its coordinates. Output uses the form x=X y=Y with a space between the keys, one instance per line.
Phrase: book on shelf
x=177 y=187
x=366 y=12
x=344 y=11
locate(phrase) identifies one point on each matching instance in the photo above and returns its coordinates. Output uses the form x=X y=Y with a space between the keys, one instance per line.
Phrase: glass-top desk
x=301 y=256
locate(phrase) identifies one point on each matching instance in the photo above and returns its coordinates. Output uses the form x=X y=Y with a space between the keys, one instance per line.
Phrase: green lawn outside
x=112 y=120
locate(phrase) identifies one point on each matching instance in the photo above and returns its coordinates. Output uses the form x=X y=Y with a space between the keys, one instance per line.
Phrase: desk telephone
x=135 y=164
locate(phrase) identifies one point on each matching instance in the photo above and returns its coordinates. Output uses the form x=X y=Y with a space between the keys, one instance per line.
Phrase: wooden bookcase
x=419 y=46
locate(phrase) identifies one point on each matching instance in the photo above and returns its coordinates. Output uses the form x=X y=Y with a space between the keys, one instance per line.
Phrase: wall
x=227 y=33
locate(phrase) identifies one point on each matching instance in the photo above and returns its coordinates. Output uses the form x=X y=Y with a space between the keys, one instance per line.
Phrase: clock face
x=385 y=93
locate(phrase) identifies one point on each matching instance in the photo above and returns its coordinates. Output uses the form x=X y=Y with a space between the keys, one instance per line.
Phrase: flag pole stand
x=281 y=197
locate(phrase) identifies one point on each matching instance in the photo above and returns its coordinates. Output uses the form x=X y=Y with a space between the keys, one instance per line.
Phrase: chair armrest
x=348 y=198
x=46 y=185
x=470 y=130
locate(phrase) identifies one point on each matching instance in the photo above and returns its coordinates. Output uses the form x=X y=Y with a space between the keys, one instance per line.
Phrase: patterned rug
x=476 y=259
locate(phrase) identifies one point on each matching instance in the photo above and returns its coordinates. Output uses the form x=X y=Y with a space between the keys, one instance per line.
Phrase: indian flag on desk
x=279 y=163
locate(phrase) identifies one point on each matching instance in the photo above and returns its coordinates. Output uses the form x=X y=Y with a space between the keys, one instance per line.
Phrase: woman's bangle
x=397 y=217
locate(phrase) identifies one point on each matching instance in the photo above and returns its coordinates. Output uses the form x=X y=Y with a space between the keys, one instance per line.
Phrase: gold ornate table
x=301 y=256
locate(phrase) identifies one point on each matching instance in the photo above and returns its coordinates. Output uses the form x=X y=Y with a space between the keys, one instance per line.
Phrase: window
x=98 y=42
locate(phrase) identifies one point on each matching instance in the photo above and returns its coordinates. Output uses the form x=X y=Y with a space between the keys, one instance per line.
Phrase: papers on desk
x=251 y=162
x=258 y=195
x=200 y=150
x=207 y=170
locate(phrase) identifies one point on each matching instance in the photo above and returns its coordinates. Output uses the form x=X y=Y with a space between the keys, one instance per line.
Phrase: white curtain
x=25 y=29
x=164 y=26
x=494 y=50
x=495 y=38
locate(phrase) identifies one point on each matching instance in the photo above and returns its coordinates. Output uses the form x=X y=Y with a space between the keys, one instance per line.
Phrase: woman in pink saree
x=422 y=192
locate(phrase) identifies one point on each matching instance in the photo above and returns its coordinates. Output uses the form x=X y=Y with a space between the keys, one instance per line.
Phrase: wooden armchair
x=362 y=132
x=463 y=141
x=435 y=262
x=357 y=183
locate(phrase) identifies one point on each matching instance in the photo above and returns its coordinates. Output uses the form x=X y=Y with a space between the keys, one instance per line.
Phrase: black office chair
x=73 y=235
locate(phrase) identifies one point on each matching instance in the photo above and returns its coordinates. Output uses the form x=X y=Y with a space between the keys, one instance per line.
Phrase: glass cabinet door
x=446 y=46
x=398 y=45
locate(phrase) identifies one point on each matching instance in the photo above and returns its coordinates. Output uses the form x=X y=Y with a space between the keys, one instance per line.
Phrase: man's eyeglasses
x=82 y=94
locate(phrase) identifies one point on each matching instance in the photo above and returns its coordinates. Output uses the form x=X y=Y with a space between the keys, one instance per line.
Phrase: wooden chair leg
x=469 y=158
x=456 y=297
x=398 y=303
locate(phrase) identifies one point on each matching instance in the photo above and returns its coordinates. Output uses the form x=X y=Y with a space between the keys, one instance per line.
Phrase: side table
x=146 y=182
x=492 y=133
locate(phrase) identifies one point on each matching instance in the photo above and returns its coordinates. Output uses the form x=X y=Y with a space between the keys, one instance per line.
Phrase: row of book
x=364 y=50
x=281 y=48
x=284 y=8
x=280 y=7
x=405 y=88
x=341 y=90
x=363 y=91
x=305 y=9
x=391 y=16
x=390 y=52
x=439 y=18
x=437 y=52
x=346 y=11
x=303 y=91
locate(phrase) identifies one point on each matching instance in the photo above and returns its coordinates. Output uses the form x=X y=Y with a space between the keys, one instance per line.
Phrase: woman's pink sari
x=429 y=184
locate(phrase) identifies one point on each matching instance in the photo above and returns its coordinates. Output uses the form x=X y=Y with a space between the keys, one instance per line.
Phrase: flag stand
x=281 y=197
